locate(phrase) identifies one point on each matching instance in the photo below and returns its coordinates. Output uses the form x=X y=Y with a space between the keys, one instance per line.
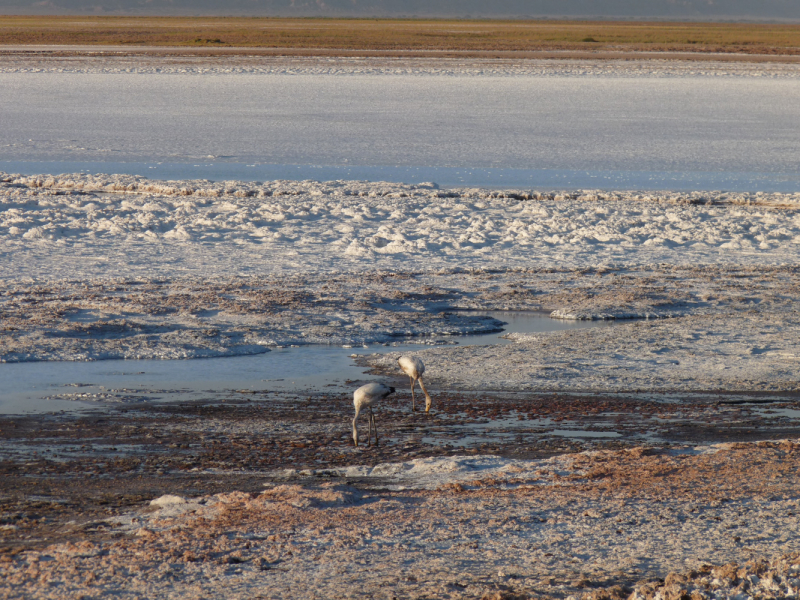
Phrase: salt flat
x=591 y=116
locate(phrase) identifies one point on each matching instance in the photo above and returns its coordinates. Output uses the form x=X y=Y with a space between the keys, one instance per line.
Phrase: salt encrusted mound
x=327 y=496
x=170 y=506
x=167 y=500
x=136 y=184
x=757 y=579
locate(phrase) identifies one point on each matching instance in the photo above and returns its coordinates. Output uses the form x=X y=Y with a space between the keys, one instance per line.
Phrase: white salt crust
x=91 y=226
x=114 y=63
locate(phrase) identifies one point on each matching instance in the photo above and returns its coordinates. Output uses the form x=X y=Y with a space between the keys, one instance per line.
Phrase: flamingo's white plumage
x=413 y=367
x=365 y=397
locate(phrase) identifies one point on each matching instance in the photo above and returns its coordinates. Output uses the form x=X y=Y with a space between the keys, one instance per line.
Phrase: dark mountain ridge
x=723 y=10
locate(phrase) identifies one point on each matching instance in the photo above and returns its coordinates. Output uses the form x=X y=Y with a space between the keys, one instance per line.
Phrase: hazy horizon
x=716 y=10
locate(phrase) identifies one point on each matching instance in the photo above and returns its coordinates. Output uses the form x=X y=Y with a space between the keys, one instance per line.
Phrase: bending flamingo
x=413 y=367
x=365 y=397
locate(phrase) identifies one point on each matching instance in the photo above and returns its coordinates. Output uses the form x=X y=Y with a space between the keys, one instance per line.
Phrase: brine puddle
x=35 y=387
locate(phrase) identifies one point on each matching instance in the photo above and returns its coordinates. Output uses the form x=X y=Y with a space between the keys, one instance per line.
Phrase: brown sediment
x=56 y=464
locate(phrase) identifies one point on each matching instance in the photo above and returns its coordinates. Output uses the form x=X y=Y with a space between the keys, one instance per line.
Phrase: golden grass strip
x=415 y=35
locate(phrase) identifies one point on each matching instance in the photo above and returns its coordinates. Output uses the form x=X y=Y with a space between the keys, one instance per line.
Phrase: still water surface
x=37 y=386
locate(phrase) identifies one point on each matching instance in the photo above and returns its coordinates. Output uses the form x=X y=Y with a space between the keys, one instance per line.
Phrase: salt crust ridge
x=363 y=220
x=342 y=66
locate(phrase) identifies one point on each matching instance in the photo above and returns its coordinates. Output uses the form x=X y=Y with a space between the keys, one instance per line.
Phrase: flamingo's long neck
x=427 y=395
x=355 y=429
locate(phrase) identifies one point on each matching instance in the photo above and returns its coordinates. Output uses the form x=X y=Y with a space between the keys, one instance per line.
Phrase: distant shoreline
x=63 y=51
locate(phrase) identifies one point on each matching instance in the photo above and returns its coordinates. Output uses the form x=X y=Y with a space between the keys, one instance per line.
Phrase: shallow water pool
x=51 y=386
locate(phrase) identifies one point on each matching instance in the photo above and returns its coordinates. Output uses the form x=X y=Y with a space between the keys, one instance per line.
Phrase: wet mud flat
x=498 y=495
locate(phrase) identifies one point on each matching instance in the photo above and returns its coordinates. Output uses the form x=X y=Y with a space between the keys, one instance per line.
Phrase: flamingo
x=365 y=397
x=413 y=367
